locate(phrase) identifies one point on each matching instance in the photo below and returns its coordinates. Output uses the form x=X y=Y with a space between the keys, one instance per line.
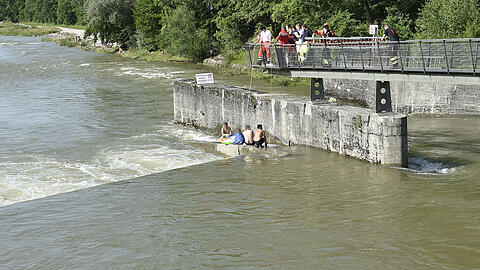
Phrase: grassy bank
x=157 y=56
x=13 y=29
x=73 y=26
x=233 y=64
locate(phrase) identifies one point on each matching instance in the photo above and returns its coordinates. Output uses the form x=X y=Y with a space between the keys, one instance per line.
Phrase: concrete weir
x=356 y=132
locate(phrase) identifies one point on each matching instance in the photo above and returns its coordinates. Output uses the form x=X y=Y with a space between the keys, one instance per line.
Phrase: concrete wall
x=352 y=131
x=411 y=96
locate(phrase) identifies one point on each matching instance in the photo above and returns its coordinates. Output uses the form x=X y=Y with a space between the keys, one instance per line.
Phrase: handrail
x=372 y=54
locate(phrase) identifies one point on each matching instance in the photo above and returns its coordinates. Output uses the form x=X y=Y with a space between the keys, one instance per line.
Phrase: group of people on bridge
x=295 y=37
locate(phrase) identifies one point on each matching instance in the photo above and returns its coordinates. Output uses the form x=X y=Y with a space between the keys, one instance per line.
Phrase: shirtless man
x=226 y=130
x=259 y=137
x=248 y=135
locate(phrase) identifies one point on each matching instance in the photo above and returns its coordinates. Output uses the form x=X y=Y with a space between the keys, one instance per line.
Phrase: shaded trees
x=449 y=19
x=112 y=21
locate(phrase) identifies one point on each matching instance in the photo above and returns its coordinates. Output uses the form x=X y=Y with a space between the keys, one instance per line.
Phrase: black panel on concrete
x=317 y=92
x=383 y=97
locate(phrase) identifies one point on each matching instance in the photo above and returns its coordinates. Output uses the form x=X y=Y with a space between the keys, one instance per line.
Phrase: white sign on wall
x=373 y=30
x=204 y=78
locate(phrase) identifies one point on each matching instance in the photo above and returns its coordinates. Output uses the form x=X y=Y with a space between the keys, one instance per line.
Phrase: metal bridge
x=445 y=56
x=370 y=58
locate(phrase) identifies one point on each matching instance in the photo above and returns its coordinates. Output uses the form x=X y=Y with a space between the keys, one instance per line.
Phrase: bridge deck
x=449 y=56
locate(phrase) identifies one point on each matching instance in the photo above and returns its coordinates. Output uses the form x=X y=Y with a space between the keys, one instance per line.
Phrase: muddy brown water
x=94 y=174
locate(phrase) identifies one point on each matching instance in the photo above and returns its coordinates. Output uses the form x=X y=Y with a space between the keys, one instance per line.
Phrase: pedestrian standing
x=264 y=38
x=393 y=42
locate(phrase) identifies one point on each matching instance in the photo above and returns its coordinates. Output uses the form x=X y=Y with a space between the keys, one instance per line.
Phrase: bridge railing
x=371 y=54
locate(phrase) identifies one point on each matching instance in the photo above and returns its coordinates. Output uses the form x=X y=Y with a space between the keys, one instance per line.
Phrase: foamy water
x=82 y=119
x=421 y=165
x=32 y=176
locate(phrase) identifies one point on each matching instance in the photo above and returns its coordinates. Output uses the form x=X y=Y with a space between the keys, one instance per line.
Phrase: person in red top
x=283 y=36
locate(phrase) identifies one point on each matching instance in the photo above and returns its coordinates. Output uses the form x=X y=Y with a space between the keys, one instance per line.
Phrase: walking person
x=307 y=33
x=393 y=42
x=326 y=51
x=298 y=33
x=283 y=41
x=292 y=39
x=264 y=38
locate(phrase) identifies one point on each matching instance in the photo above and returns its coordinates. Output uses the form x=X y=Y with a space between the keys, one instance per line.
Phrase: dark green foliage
x=344 y=25
x=201 y=28
x=400 y=22
x=183 y=35
x=66 y=12
x=148 y=19
x=449 y=19
x=112 y=21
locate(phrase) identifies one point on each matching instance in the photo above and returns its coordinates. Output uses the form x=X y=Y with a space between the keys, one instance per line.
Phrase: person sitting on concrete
x=259 y=137
x=248 y=135
x=239 y=139
x=226 y=130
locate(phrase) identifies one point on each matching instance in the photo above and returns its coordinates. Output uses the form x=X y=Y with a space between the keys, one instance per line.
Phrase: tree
x=182 y=34
x=66 y=12
x=400 y=22
x=112 y=21
x=343 y=24
x=449 y=19
x=9 y=10
x=148 y=19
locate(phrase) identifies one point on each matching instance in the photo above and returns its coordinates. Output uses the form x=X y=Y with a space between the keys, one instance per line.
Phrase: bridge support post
x=317 y=92
x=383 y=97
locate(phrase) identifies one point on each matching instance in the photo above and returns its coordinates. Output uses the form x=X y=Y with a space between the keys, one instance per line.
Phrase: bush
x=148 y=19
x=229 y=35
x=343 y=24
x=66 y=12
x=449 y=19
x=182 y=36
x=113 y=21
x=400 y=22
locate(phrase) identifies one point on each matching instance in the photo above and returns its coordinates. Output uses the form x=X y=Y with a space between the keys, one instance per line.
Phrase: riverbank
x=20 y=29
x=235 y=65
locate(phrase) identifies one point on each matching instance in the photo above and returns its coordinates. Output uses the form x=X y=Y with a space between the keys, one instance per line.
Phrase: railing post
x=476 y=55
x=361 y=55
x=250 y=55
x=471 y=54
x=400 y=55
x=446 y=56
x=423 y=59
x=343 y=53
x=379 y=54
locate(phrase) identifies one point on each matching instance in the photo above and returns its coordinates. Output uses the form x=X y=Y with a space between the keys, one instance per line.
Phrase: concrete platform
x=352 y=131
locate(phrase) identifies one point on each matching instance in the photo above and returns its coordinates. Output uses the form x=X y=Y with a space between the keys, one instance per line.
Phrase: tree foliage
x=200 y=28
x=112 y=21
x=400 y=22
x=182 y=35
x=148 y=19
x=449 y=19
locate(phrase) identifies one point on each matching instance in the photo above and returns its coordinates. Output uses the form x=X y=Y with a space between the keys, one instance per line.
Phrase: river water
x=77 y=128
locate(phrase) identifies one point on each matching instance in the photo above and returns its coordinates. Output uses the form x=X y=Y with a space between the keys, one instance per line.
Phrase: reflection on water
x=80 y=119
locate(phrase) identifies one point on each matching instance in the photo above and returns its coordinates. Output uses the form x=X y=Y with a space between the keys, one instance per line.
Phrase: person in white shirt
x=298 y=32
x=265 y=38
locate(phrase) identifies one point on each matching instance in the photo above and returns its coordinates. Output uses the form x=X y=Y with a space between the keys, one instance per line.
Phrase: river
x=94 y=174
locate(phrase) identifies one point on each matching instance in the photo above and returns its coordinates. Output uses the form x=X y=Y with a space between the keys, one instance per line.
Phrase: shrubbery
x=449 y=19
x=183 y=36
x=201 y=28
